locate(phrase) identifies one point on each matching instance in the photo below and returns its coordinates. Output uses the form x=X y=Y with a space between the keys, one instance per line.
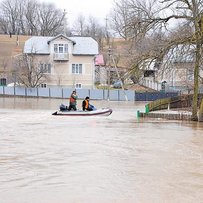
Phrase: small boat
x=97 y=112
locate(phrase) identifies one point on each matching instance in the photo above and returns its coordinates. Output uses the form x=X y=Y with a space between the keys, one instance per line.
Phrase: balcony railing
x=61 y=57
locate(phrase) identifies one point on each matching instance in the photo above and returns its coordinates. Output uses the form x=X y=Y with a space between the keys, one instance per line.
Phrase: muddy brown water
x=120 y=158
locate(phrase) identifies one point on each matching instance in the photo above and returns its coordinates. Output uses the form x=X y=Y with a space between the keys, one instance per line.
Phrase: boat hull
x=98 y=112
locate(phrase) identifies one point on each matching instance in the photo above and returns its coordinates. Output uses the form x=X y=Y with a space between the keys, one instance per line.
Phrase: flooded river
x=115 y=159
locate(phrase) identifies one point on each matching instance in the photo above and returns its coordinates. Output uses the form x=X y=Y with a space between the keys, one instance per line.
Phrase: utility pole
x=109 y=60
x=109 y=73
x=118 y=75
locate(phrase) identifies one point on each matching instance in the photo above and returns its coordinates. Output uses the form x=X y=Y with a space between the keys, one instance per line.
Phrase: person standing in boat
x=73 y=101
x=86 y=106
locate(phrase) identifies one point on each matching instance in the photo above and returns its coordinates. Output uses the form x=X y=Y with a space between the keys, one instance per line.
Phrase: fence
x=150 y=83
x=95 y=94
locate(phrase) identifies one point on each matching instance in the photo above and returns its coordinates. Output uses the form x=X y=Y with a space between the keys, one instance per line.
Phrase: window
x=61 y=48
x=66 y=48
x=149 y=73
x=78 y=86
x=45 y=67
x=55 y=48
x=190 y=75
x=3 y=82
x=43 y=85
x=77 y=68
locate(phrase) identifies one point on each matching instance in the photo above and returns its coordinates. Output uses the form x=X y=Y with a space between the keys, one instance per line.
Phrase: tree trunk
x=201 y=112
x=196 y=89
x=196 y=78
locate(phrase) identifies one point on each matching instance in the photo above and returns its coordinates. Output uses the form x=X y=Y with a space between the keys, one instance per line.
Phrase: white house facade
x=176 y=70
x=69 y=61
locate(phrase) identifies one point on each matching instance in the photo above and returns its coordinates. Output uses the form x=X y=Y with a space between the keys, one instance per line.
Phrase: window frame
x=78 y=86
x=77 y=68
x=45 y=68
x=60 y=48
x=3 y=81
x=43 y=85
x=190 y=75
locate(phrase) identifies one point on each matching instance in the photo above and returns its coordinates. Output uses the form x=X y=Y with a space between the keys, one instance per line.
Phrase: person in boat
x=73 y=101
x=86 y=106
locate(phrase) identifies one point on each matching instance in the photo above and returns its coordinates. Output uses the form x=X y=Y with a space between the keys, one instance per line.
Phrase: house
x=175 y=72
x=177 y=69
x=108 y=70
x=100 y=70
x=68 y=61
x=149 y=76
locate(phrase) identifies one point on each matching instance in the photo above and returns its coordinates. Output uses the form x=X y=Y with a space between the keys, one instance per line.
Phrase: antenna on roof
x=64 y=21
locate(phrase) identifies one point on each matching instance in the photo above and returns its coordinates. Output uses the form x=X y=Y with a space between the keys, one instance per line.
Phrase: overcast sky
x=95 y=8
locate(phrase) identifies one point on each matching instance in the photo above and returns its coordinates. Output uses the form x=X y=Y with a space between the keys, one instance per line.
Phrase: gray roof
x=60 y=35
x=81 y=45
x=84 y=45
x=37 y=45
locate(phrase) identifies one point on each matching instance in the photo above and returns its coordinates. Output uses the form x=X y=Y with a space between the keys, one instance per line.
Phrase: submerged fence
x=95 y=94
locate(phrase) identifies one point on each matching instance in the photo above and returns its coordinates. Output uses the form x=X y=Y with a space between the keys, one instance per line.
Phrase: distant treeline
x=29 y=17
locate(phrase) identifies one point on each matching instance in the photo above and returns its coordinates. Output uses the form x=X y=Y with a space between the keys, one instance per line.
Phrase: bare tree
x=79 y=25
x=149 y=16
x=89 y=28
x=3 y=24
x=127 y=18
x=31 y=17
x=4 y=64
x=50 y=20
x=28 y=71
x=10 y=14
x=120 y=17
x=95 y=30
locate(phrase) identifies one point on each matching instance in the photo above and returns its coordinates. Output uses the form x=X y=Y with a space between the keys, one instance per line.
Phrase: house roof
x=60 y=35
x=84 y=46
x=81 y=45
x=37 y=45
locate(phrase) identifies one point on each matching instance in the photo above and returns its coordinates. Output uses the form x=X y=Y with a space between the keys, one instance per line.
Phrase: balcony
x=60 y=57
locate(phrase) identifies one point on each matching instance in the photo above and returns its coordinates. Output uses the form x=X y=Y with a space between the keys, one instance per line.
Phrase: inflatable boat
x=97 y=112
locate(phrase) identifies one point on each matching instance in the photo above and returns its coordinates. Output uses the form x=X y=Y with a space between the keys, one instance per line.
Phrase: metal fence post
x=49 y=92
x=26 y=92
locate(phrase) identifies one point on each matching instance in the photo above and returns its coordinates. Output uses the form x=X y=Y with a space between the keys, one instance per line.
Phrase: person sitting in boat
x=86 y=106
x=73 y=101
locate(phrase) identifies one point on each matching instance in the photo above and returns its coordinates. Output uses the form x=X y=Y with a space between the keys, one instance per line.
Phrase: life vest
x=72 y=100
x=86 y=104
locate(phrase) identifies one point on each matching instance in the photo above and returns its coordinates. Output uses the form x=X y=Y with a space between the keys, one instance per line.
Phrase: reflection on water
x=48 y=159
